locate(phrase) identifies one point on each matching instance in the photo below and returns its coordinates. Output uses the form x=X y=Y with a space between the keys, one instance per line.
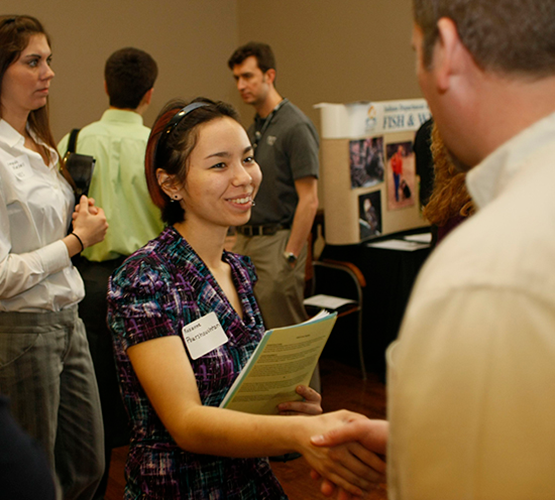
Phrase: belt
x=261 y=230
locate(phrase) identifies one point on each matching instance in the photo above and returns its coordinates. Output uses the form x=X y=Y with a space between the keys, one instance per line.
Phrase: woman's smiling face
x=222 y=177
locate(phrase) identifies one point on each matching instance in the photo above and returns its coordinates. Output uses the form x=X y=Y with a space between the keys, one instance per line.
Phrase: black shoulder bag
x=80 y=167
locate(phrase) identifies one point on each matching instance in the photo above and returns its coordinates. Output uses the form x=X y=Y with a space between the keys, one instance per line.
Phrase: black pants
x=93 y=310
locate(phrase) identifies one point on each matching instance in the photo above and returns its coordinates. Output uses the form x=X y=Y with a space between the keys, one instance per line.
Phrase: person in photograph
x=397 y=169
x=357 y=158
x=374 y=160
x=370 y=223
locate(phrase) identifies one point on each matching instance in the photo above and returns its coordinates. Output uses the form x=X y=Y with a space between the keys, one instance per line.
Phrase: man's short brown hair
x=505 y=36
x=261 y=51
x=130 y=73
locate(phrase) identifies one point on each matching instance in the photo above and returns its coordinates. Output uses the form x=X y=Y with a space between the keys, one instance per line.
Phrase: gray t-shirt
x=286 y=151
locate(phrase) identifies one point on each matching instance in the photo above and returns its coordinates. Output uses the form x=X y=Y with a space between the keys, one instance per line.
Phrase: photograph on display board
x=370 y=214
x=401 y=175
x=366 y=162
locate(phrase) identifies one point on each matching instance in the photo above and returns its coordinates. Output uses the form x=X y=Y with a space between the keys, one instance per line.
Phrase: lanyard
x=260 y=133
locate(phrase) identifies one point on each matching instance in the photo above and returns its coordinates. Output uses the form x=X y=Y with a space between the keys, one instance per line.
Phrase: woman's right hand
x=89 y=222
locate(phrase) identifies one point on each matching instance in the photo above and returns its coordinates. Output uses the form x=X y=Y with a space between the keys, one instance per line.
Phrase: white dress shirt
x=36 y=203
x=471 y=380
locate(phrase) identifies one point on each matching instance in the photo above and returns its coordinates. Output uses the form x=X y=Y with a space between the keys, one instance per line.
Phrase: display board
x=368 y=171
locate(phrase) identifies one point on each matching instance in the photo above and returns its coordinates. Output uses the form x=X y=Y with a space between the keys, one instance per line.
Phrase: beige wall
x=190 y=40
x=335 y=50
x=327 y=50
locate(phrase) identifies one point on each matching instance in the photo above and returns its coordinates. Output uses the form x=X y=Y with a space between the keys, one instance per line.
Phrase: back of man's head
x=261 y=51
x=512 y=37
x=129 y=74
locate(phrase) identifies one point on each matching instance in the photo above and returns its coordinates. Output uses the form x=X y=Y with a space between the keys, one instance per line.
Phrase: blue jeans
x=396 y=179
x=47 y=372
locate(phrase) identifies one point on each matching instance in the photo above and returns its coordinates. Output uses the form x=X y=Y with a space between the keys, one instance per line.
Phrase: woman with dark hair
x=201 y=173
x=45 y=364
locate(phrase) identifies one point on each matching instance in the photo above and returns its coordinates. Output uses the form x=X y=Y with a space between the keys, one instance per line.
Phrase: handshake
x=354 y=462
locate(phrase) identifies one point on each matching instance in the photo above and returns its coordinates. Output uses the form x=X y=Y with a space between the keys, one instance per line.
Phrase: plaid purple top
x=157 y=291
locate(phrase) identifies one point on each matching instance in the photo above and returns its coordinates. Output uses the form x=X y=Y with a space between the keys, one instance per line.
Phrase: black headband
x=176 y=119
x=7 y=21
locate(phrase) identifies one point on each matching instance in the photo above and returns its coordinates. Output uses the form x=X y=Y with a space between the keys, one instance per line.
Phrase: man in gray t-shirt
x=286 y=148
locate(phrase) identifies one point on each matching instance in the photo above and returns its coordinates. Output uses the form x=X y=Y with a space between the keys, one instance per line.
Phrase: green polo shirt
x=118 y=142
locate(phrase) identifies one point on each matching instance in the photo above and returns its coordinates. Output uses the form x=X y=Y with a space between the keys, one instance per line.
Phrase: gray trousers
x=47 y=372
x=279 y=290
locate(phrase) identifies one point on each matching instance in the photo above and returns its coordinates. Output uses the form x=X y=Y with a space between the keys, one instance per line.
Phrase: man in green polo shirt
x=118 y=142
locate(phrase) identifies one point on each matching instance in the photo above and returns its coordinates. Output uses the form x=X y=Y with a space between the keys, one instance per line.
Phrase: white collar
x=488 y=179
x=9 y=135
x=13 y=139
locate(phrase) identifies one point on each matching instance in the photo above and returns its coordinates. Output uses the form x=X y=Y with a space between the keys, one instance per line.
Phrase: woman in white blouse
x=45 y=364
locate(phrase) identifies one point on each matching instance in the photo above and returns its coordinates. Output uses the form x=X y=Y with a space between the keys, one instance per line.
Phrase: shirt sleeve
x=20 y=272
x=302 y=149
x=142 y=302
x=470 y=398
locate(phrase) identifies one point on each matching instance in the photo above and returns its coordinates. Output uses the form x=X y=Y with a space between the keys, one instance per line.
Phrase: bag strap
x=72 y=142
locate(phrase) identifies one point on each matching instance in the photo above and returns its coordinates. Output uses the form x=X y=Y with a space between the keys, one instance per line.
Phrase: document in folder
x=285 y=358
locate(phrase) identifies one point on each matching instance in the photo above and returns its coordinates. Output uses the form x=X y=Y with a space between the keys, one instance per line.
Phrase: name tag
x=20 y=167
x=203 y=335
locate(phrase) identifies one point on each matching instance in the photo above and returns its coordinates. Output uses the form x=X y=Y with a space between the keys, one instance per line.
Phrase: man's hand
x=372 y=435
x=344 y=465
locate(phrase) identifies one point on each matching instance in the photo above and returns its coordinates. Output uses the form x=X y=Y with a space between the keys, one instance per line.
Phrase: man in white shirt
x=471 y=377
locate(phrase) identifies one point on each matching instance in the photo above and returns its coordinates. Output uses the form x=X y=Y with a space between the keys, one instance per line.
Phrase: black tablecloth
x=390 y=275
